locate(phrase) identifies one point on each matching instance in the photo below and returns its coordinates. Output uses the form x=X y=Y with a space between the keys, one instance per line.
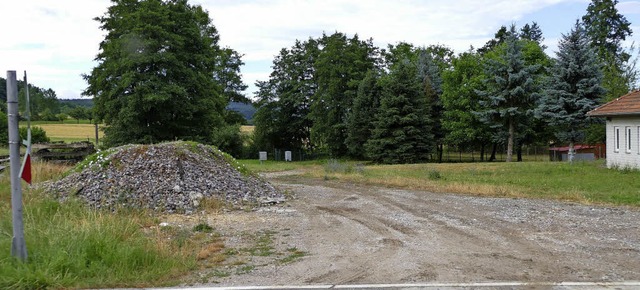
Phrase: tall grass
x=70 y=245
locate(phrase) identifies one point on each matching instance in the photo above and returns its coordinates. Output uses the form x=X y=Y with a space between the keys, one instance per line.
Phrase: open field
x=70 y=132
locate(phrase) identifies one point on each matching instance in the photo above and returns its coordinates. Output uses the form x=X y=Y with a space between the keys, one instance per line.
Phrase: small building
x=582 y=152
x=623 y=130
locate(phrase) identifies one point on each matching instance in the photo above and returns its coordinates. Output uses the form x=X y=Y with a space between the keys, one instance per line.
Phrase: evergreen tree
x=573 y=88
x=508 y=96
x=362 y=114
x=532 y=32
x=401 y=133
x=153 y=81
x=607 y=30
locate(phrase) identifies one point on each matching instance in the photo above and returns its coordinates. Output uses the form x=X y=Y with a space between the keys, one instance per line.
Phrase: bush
x=38 y=135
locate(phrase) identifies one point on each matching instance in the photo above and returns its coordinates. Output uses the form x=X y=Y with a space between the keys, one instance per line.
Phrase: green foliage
x=283 y=116
x=401 y=131
x=4 y=129
x=71 y=246
x=153 y=81
x=362 y=115
x=79 y=113
x=460 y=99
x=38 y=135
x=340 y=66
x=573 y=88
x=508 y=95
x=203 y=227
x=607 y=29
x=229 y=139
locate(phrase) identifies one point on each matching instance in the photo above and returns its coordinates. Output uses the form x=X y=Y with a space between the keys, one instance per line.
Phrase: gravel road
x=368 y=235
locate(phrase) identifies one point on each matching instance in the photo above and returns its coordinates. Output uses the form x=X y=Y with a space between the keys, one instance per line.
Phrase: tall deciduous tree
x=460 y=99
x=509 y=94
x=573 y=88
x=283 y=117
x=153 y=81
x=341 y=64
x=401 y=131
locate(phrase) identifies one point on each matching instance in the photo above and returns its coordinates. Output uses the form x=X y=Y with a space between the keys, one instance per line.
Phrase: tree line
x=401 y=104
x=162 y=75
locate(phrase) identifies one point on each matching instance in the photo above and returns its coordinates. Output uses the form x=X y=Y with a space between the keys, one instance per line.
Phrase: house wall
x=623 y=150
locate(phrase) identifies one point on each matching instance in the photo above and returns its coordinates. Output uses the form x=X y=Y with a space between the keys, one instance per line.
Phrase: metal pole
x=18 y=246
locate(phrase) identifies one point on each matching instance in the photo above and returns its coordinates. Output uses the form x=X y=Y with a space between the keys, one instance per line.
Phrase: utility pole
x=18 y=246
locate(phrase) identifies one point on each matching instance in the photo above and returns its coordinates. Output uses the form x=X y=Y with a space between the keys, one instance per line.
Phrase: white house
x=623 y=130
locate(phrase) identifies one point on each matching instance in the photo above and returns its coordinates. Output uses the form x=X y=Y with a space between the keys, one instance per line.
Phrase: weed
x=294 y=254
x=434 y=175
x=245 y=269
x=335 y=166
x=203 y=227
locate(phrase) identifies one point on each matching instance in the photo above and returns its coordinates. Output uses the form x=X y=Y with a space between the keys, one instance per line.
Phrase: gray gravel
x=168 y=177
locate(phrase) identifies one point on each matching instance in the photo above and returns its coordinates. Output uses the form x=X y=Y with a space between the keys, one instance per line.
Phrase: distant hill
x=246 y=110
x=87 y=103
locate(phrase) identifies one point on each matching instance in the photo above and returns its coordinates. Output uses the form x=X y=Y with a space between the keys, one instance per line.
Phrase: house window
x=616 y=139
x=627 y=139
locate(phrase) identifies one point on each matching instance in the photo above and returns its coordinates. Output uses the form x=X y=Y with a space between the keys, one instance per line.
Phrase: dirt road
x=353 y=234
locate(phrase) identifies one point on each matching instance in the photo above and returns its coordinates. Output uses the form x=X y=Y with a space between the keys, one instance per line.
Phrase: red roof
x=628 y=104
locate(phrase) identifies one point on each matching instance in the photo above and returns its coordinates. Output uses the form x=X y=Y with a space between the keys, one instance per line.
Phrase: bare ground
x=353 y=234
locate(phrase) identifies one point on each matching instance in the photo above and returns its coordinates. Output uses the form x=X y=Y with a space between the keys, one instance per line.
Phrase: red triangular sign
x=26 y=169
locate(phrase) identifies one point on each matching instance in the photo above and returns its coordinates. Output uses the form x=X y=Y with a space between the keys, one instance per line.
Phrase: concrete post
x=18 y=246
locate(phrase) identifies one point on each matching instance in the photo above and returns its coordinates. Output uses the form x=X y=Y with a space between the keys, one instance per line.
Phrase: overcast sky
x=56 y=41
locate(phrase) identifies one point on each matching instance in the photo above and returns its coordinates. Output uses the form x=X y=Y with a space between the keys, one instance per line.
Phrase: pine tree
x=607 y=30
x=573 y=88
x=508 y=97
x=362 y=114
x=401 y=133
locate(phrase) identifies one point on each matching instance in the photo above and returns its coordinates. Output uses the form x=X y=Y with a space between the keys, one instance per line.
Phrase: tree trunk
x=519 y=152
x=440 y=149
x=482 y=152
x=510 y=141
x=493 y=152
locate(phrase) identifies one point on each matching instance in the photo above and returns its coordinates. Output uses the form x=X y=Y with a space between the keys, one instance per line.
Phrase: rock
x=168 y=177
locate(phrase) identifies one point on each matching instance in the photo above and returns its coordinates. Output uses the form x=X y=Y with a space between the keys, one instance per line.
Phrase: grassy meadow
x=69 y=131
x=583 y=182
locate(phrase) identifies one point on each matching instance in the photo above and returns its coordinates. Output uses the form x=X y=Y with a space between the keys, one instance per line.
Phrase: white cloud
x=56 y=41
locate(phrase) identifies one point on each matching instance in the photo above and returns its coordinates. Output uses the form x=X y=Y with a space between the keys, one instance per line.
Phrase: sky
x=56 y=41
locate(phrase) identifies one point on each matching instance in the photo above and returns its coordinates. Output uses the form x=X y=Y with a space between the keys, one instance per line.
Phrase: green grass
x=584 y=182
x=275 y=166
x=72 y=246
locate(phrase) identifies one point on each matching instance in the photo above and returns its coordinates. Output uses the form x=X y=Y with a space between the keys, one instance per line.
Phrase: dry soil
x=356 y=234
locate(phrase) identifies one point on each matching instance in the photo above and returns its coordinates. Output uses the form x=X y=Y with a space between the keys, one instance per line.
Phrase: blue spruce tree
x=508 y=99
x=573 y=88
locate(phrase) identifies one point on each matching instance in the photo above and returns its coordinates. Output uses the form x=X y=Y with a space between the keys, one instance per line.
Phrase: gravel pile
x=169 y=177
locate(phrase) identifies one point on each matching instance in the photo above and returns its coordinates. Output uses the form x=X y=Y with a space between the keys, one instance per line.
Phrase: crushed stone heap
x=168 y=177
